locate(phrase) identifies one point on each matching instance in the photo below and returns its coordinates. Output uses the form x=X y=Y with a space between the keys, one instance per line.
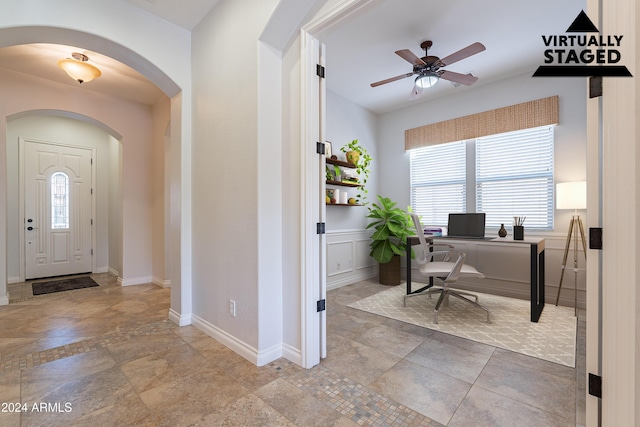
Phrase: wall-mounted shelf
x=340 y=163
x=344 y=184
x=343 y=164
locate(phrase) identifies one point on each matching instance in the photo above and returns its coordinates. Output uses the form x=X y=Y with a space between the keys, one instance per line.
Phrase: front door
x=57 y=220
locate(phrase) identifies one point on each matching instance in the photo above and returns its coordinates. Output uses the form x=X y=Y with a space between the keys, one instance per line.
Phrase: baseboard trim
x=113 y=272
x=292 y=354
x=258 y=358
x=179 y=319
x=160 y=282
x=12 y=280
x=4 y=300
x=370 y=273
x=134 y=281
x=102 y=270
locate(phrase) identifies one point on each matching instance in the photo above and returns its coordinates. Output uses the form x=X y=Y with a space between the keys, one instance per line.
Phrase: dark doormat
x=41 y=288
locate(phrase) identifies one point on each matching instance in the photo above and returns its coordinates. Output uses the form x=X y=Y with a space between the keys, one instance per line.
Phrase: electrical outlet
x=232 y=308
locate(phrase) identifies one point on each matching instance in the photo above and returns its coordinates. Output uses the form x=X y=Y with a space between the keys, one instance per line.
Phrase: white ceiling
x=185 y=13
x=361 y=49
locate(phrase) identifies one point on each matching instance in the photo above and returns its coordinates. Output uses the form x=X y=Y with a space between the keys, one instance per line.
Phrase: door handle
x=32 y=228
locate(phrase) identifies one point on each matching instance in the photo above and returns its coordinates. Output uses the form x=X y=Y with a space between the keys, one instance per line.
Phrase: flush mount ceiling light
x=427 y=79
x=78 y=68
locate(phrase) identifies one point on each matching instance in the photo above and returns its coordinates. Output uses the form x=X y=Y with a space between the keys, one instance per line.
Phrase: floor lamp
x=572 y=195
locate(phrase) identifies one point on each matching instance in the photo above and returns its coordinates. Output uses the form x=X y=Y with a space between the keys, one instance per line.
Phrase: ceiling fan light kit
x=428 y=68
x=78 y=68
x=427 y=80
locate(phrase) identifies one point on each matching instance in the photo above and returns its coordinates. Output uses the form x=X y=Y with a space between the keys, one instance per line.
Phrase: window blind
x=514 y=177
x=438 y=181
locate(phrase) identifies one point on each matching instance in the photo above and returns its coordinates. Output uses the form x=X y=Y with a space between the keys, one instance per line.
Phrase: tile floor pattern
x=109 y=356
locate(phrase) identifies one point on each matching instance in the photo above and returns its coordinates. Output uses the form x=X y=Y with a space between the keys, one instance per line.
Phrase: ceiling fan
x=428 y=68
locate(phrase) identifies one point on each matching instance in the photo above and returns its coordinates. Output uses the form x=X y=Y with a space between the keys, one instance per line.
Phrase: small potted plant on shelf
x=358 y=156
x=389 y=241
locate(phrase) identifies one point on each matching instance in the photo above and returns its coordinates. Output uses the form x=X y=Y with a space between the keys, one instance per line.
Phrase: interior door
x=57 y=208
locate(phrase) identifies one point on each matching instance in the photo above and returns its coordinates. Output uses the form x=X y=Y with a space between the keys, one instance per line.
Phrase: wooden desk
x=536 y=260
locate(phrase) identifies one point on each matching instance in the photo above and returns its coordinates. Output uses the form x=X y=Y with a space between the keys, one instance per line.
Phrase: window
x=59 y=201
x=505 y=175
x=438 y=173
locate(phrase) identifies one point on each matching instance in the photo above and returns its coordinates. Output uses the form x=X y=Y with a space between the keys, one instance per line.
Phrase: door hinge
x=321 y=305
x=320 y=147
x=595 y=86
x=320 y=71
x=91 y=161
x=92 y=191
x=595 y=385
x=320 y=228
x=92 y=221
x=91 y=251
x=595 y=238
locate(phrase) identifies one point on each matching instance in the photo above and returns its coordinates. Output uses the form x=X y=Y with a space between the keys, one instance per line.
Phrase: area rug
x=553 y=338
x=41 y=288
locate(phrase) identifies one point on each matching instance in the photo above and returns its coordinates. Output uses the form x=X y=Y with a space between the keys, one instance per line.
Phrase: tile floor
x=109 y=356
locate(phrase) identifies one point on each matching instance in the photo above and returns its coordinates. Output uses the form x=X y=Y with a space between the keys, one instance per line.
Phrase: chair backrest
x=422 y=258
x=427 y=252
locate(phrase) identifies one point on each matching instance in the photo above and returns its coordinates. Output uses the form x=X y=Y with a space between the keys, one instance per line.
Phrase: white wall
x=115 y=207
x=225 y=176
x=161 y=267
x=61 y=130
x=348 y=249
x=570 y=153
x=345 y=122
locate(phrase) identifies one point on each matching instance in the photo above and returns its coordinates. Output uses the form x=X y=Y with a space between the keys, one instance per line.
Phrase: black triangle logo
x=582 y=24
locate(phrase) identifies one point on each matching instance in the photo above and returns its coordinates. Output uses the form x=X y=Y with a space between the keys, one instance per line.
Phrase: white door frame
x=21 y=197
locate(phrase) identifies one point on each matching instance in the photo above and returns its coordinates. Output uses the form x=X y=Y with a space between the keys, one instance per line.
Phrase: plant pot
x=390 y=272
x=353 y=157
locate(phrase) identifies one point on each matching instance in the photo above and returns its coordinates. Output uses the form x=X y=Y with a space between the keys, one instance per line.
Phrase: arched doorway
x=137 y=234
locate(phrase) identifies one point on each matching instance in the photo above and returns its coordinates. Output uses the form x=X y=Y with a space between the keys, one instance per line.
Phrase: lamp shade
x=571 y=195
x=79 y=69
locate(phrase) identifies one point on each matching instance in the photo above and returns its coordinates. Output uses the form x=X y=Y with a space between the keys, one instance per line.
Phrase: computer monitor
x=468 y=225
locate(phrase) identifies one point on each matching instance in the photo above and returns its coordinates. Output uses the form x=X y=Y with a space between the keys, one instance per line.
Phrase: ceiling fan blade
x=415 y=92
x=465 y=79
x=408 y=56
x=392 y=79
x=472 y=49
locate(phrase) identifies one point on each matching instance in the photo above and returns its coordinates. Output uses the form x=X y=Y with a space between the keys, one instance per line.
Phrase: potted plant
x=357 y=155
x=389 y=241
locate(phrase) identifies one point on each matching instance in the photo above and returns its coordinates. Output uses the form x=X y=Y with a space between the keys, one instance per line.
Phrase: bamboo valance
x=527 y=115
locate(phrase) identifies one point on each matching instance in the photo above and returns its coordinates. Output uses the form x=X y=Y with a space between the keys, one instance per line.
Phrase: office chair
x=447 y=270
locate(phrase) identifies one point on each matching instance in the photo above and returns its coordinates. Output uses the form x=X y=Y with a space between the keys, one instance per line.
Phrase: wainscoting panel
x=348 y=259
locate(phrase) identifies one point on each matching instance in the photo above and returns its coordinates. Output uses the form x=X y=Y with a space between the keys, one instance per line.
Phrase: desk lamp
x=572 y=195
